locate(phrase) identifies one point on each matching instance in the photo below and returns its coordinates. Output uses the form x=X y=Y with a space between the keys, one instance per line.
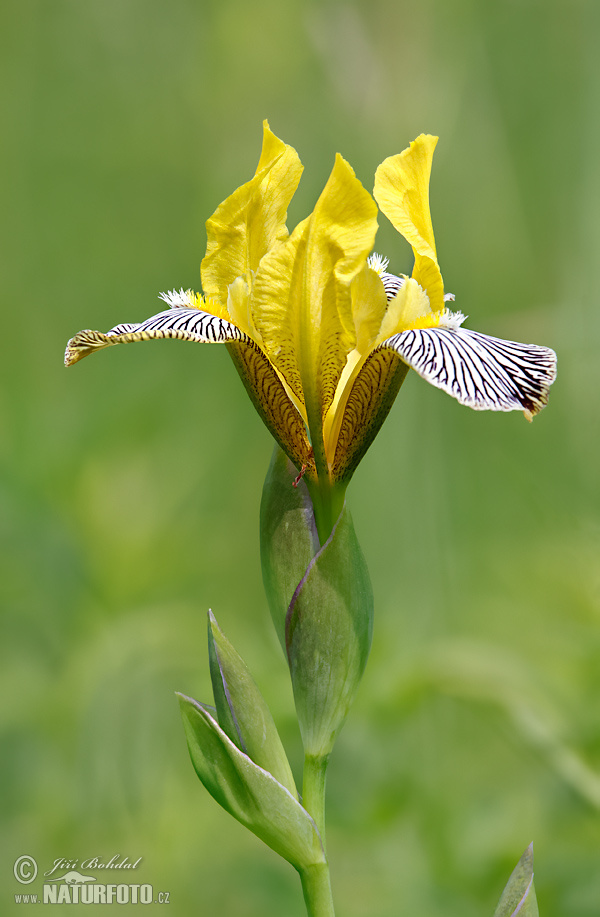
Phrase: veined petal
x=369 y=307
x=183 y=324
x=278 y=412
x=370 y=383
x=484 y=373
x=260 y=379
x=402 y=192
x=368 y=403
x=251 y=220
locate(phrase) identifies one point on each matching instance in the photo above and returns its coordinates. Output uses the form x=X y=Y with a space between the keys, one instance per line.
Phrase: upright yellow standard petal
x=251 y=220
x=402 y=192
x=302 y=303
x=277 y=304
x=342 y=233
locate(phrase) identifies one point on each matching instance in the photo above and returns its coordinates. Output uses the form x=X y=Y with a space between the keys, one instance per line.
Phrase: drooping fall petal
x=260 y=379
x=484 y=373
x=182 y=324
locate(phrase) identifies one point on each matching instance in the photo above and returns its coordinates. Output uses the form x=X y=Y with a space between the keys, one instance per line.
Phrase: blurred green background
x=130 y=485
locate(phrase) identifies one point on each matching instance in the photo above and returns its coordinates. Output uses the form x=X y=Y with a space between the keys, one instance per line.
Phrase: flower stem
x=317 y=891
x=315 y=879
x=313 y=790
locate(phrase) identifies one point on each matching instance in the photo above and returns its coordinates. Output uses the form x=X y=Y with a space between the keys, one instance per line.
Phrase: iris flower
x=319 y=331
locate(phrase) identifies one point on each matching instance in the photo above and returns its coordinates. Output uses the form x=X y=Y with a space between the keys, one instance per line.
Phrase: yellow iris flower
x=321 y=335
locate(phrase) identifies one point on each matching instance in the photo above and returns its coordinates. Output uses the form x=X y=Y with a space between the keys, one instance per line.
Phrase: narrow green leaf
x=518 y=898
x=242 y=712
x=248 y=792
x=328 y=636
x=288 y=537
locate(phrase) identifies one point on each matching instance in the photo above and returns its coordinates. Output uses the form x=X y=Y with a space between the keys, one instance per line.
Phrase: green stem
x=317 y=891
x=313 y=790
x=315 y=880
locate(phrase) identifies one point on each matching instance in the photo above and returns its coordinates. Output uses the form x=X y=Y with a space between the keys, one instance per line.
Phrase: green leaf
x=328 y=636
x=518 y=898
x=242 y=712
x=288 y=537
x=248 y=792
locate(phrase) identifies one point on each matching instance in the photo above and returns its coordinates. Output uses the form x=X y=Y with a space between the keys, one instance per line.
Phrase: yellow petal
x=238 y=307
x=405 y=310
x=354 y=417
x=402 y=192
x=367 y=405
x=302 y=303
x=277 y=303
x=251 y=220
x=369 y=307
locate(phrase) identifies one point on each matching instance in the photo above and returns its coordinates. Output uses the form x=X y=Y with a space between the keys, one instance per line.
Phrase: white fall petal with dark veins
x=484 y=373
x=177 y=322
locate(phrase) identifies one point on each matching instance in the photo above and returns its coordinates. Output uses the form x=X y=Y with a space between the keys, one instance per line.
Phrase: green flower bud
x=248 y=792
x=242 y=712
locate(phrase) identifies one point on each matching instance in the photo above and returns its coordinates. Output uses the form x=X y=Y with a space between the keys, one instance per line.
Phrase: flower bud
x=249 y=793
x=242 y=712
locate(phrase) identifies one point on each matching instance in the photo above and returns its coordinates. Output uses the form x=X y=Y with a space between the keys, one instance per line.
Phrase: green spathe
x=328 y=636
x=518 y=898
x=288 y=537
x=249 y=793
x=321 y=601
x=242 y=712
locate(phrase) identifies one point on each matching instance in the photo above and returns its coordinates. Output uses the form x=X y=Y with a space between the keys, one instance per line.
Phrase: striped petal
x=260 y=379
x=183 y=324
x=484 y=373
x=369 y=401
x=279 y=414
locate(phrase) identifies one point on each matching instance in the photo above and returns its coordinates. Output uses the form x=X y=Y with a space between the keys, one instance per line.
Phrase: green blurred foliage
x=130 y=485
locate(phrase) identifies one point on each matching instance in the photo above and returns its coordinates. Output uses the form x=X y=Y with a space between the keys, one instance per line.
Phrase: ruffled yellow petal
x=251 y=220
x=301 y=301
x=402 y=192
